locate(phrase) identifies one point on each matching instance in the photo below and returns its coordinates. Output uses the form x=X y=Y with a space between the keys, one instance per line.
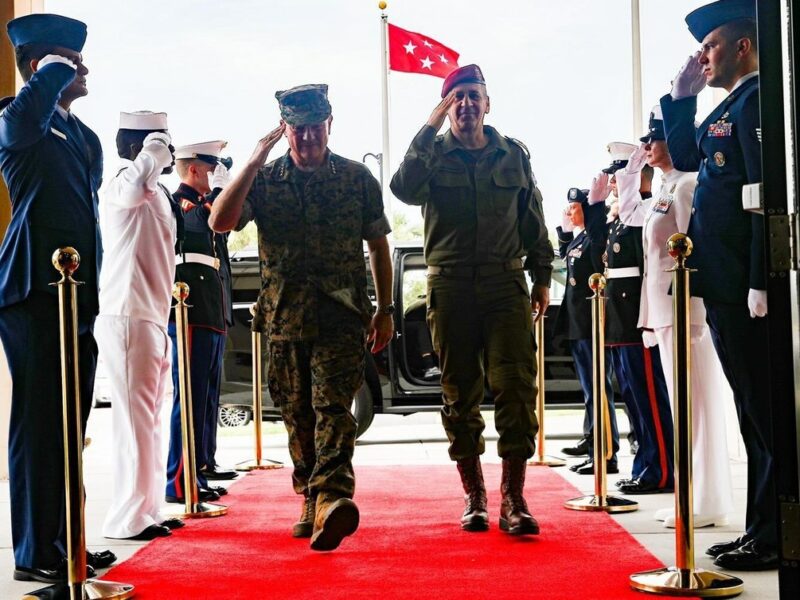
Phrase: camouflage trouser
x=481 y=327
x=314 y=382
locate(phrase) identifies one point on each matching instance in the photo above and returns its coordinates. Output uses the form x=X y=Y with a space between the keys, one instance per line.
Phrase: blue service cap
x=48 y=29
x=706 y=19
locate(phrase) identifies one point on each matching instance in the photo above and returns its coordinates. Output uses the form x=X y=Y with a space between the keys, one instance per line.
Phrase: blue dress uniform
x=52 y=164
x=210 y=314
x=638 y=369
x=729 y=257
x=582 y=255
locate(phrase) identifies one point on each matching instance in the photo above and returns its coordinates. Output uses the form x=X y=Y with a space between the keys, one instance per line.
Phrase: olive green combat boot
x=336 y=518
x=475 y=517
x=514 y=515
x=305 y=526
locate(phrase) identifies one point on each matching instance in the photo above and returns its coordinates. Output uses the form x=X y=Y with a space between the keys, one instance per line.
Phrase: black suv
x=395 y=380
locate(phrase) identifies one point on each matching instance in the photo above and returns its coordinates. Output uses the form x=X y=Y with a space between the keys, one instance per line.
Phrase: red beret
x=468 y=74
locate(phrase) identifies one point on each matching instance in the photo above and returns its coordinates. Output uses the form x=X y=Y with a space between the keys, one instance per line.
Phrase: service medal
x=617 y=248
x=719 y=159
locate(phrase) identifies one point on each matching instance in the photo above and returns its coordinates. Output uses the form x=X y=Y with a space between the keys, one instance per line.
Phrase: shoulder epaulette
x=520 y=144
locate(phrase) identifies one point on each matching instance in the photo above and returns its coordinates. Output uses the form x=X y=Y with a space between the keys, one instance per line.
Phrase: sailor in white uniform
x=666 y=213
x=139 y=225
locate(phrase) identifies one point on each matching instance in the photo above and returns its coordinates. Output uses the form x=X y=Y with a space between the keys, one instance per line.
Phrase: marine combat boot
x=475 y=517
x=514 y=515
x=305 y=526
x=335 y=519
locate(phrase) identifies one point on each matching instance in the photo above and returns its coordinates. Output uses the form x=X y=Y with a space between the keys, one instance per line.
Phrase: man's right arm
x=681 y=134
x=410 y=183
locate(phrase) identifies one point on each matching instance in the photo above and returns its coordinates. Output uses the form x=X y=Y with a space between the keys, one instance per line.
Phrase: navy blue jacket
x=53 y=169
x=582 y=257
x=728 y=241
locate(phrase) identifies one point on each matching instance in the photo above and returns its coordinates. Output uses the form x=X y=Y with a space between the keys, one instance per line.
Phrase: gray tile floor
x=416 y=439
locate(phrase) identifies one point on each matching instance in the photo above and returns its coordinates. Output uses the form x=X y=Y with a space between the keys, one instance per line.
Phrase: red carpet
x=408 y=546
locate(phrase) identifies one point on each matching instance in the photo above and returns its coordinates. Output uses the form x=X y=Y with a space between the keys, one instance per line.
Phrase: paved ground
x=416 y=439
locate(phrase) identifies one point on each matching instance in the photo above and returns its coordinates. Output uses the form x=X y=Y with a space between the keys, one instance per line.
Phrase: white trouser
x=711 y=473
x=136 y=356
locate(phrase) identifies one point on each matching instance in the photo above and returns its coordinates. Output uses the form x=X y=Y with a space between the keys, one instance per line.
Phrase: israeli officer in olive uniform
x=203 y=263
x=729 y=245
x=52 y=164
x=583 y=257
x=483 y=228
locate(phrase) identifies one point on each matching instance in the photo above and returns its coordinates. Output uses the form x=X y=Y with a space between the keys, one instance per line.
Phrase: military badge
x=572 y=281
x=617 y=248
x=573 y=194
x=719 y=159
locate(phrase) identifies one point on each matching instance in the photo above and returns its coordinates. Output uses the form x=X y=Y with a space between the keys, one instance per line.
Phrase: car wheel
x=234 y=416
x=363 y=409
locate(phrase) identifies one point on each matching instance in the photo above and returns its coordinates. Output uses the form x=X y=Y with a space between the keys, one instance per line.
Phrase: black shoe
x=579 y=449
x=751 y=556
x=723 y=547
x=151 y=532
x=172 y=523
x=574 y=468
x=219 y=474
x=624 y=481
x=100 y=560
x=588 y=468
x=637 y=486
x=202 y=496
x=217 y=489
x=55 y=575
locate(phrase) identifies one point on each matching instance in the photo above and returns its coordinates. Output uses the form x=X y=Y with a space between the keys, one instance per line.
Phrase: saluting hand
x=266 y=144
x=600 y=188
x=637 y=160
x=436 y=119
x=690 y=80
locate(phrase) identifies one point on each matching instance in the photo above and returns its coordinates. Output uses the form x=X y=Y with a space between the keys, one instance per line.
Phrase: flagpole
x=385 y=165
x=636 y=51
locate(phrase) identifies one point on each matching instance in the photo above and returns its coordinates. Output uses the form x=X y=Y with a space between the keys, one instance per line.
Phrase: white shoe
x=664 y=513
x=700 y=521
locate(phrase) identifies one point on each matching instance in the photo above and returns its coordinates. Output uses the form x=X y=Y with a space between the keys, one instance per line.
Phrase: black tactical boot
x=305 y=526
x=514 y=515
x=475 y=517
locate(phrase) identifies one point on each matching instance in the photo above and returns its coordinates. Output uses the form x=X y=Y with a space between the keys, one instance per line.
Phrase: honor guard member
x=729 y=245
x=583 y=257
x=483 y=228
x=660 y=217
x=202 y=263
x=313 y=210
x=52 y=164
x=637 y=368
x=138 y=223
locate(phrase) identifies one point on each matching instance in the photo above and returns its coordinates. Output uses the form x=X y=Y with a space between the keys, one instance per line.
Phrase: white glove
x=566 y=222
x=157 y=145
x=56 y=58
x=600 y=189
x=697 y=333
x=649 y=338
x=219 y=178
x=757 y=303
x=690 y=80
x=637 y=160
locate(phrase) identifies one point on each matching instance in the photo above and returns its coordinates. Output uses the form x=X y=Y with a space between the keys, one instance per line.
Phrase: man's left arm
x=539 y=259
x=374 y=230
x=747 y=126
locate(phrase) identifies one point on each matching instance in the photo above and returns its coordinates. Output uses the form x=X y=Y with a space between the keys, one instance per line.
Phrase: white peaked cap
x=621 y=150
x=201 y=150
x=143 y=120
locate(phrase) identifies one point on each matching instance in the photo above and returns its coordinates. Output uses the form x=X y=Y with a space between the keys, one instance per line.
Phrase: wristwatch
x=385 y=310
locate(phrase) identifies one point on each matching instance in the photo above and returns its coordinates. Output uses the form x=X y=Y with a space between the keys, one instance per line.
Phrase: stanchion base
x=204 y=510
x=252 y=465
x=610 y=504
x=672 y=581
x=93 y=589
x=547 y=461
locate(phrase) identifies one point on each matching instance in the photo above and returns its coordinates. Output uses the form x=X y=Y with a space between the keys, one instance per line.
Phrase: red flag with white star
x=416 y=53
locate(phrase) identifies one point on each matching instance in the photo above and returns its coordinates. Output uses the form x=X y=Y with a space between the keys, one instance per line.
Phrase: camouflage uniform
x=314 y=306
x=483 y=226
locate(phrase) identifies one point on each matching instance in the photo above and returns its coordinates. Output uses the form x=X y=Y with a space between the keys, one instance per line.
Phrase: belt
x=622 y=273
x=196 y=257
x=515 y=264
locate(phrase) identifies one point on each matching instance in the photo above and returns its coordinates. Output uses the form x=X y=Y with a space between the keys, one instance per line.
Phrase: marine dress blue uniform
x=52 y=164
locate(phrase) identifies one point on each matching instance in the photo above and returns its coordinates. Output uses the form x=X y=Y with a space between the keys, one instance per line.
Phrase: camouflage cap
x=304 y=104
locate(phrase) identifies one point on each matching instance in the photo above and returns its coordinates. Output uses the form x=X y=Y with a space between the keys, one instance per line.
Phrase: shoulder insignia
x=521 y=145
x=187 y=205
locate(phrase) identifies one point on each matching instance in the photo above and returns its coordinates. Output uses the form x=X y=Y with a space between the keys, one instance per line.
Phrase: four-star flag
x=412 y=52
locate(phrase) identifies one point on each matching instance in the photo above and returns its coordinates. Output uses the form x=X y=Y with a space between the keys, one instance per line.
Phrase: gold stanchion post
x=257 y=462
x=78 y=587
x=684 y=579
x=193 y=507
x=541 y=459
x=600 y=500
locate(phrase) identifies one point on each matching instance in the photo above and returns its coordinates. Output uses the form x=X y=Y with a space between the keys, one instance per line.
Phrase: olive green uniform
x=483 y=226
x=313 y=306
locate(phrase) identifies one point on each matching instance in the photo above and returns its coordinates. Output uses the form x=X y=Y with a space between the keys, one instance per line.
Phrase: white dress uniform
x=661 y=216
x=139 y=232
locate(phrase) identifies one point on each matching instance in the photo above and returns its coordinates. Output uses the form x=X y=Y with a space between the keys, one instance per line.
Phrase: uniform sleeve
x=681 y=134
x=374 y=222
x=632 y=209
x=27 y=117
x=746 y=132
x=195 y=216
x=255 y=194
x=533 y=231
x=411 y=182
x=596 y=228
x=682 y=204
x=564 y=240
x=138 y=183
